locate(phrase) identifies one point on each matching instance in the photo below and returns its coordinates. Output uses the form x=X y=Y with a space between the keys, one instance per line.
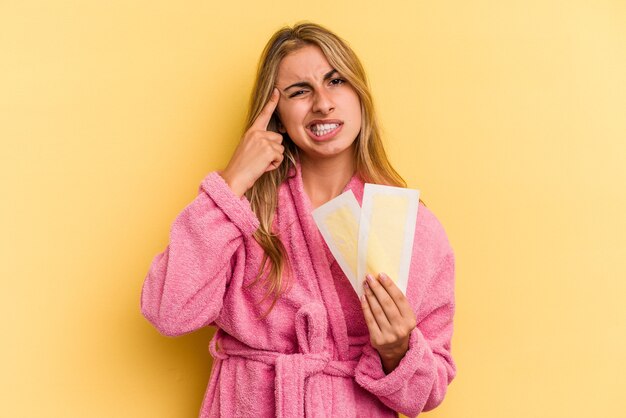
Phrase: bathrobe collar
x=304 y=205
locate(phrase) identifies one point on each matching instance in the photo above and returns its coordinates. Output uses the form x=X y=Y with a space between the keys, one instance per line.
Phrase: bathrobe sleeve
x=185 y=284
x=419 y=383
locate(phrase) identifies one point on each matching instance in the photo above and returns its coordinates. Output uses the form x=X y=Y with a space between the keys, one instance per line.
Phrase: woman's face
x=319 y=110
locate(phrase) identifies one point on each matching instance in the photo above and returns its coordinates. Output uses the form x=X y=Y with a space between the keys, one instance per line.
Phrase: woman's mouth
x=324 y=131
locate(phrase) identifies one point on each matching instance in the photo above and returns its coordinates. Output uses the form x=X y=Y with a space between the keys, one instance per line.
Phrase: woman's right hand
x=258 y=151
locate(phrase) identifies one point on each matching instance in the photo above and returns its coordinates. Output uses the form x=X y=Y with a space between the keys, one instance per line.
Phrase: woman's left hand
x=389 y=317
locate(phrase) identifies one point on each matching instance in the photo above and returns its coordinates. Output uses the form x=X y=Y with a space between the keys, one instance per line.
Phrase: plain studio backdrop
x=509 y=116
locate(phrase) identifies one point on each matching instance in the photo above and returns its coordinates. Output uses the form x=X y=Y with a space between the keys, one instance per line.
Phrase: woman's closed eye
x=297 y=93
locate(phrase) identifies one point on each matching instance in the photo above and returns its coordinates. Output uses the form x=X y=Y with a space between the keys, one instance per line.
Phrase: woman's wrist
x=390 y=359
x=233 y=183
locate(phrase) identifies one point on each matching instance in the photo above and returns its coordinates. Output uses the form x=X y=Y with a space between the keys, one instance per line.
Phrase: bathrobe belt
x=292 y=369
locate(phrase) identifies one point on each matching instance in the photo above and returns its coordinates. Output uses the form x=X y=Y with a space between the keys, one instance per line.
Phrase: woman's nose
x=322 y=102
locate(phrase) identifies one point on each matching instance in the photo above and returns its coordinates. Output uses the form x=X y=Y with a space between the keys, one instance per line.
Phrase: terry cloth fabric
x=311 y=356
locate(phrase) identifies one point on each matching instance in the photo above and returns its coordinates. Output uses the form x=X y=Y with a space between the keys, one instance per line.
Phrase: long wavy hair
x=372 y=164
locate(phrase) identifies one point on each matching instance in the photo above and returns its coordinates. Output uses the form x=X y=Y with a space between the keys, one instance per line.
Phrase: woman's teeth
x=323 y=129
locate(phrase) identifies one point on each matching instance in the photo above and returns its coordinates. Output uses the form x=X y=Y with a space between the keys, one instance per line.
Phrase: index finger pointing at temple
x=264 y=117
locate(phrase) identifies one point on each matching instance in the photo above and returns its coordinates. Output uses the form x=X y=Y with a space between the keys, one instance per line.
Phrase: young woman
x=245 y=255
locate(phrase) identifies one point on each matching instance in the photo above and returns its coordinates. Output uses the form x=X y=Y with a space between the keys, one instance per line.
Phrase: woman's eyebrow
x=306 y=84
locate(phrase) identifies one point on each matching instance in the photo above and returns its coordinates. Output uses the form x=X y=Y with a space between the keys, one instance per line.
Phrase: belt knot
x=311 y=326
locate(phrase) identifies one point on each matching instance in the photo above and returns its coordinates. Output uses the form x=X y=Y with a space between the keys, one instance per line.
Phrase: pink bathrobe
x=311 y=356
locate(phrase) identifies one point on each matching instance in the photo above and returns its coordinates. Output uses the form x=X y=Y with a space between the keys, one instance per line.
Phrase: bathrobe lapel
x=321 y=256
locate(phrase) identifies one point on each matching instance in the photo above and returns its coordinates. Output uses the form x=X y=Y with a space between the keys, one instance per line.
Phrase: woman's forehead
x=306 y=63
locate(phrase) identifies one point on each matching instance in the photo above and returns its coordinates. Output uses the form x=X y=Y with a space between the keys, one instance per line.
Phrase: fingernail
x=366 y=289
x=369 y=277
x=383 y=277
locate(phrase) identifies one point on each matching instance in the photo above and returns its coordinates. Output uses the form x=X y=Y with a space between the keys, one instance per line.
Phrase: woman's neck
x=325 y=179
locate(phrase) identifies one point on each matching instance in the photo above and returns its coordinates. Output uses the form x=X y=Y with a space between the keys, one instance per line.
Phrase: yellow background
x=509 y=116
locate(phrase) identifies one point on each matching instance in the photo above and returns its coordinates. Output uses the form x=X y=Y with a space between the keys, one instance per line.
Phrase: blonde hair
x=372 y=164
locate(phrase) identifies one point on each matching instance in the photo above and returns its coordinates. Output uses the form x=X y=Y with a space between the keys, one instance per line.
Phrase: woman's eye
x=337 y=81
x=297 y=93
